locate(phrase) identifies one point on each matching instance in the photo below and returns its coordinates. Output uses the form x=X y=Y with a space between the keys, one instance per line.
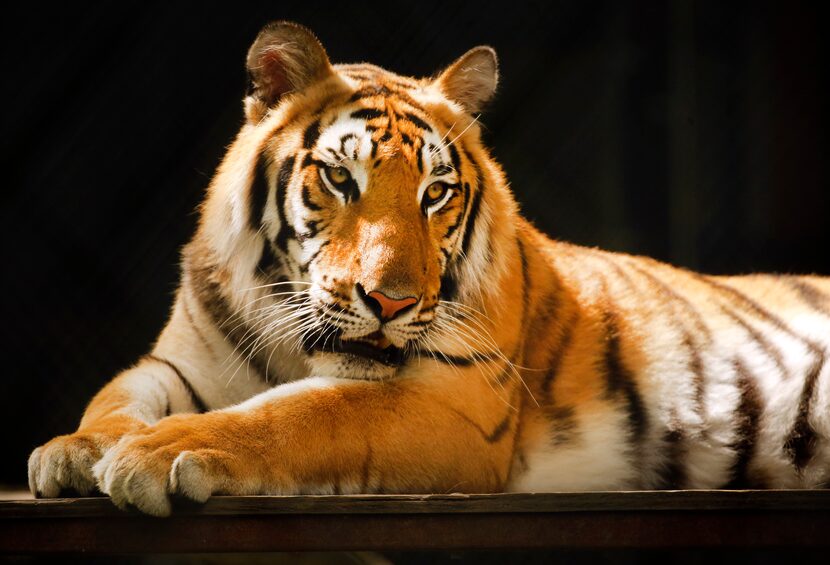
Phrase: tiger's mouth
x=374 y=346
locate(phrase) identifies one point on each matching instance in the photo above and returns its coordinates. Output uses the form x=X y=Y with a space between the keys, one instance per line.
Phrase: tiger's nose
x=385 y=307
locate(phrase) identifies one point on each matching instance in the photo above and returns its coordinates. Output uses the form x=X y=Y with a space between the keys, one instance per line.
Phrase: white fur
x=283 y=391
x=357 y=150
x=595 y=460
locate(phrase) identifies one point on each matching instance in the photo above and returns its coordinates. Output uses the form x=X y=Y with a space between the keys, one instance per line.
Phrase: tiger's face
x=375 y=197
x=365 y=194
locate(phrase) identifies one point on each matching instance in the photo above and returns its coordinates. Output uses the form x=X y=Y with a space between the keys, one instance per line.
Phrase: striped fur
x=526 y=363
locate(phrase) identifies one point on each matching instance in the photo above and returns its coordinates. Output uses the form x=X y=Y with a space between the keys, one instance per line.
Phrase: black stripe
x=192 y=323
x=456 y=160
x=525 y=290
x=696 y=367
x=675 y=302
x=258 y=194
x=457 y=360
x=400 y=83
x=673 y=474
x=449 y=359
x=469 y=225
x=368 y=114
x=197 y=401
x=286 y=232
x=369 y=91
x=308 y=160
x=442 y=169
x=417 y=121
x=344 y=298
x=619 y=380
x=311 y=134
x=751 y=306
x=814 y=297
x=692 y=312
x=210 y=294
x=472 y=215
x=447 y=255
x=346 y=138
x=555 y=363
x=747 y=420
x=769 y=349
x=308 y=202
x=449 y=280
x=449 y=283
x=395 y=94
x=304 y=267
x=312 y=230
x=563 y=424
x=460 y=217
x=499 y=431
x=618 y=270
x=547 y=310
x=350 y=191
x=801 y=441
x=269 y=263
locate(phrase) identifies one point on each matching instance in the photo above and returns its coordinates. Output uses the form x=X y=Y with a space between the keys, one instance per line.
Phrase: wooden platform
x=643 y=519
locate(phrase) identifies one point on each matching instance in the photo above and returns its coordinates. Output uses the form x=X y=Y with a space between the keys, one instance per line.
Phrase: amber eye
x=338 y=175
x=434 y=193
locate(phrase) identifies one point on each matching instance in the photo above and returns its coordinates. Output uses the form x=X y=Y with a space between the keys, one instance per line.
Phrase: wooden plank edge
x=616 y=501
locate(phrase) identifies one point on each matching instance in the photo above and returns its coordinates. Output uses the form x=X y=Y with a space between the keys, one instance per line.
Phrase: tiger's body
x=362 y=309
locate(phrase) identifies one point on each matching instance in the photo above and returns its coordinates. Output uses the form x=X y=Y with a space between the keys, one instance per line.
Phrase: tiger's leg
x=134 y=399
x=325 y=435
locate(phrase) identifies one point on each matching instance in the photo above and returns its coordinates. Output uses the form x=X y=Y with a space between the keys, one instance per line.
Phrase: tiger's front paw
x=178 y=455
x=66 y=463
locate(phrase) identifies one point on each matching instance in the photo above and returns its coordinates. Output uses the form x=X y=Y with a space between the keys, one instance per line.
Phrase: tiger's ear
x=285 y=57
x=471 y=80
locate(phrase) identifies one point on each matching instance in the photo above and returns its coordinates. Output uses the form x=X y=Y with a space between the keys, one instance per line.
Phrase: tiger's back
x=679 y=380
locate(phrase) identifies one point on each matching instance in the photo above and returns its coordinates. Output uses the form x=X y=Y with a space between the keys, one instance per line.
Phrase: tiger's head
x=357 y=212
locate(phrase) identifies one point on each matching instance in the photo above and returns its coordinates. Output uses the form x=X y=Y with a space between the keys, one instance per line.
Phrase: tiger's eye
x=435 y=192
x=338 y=175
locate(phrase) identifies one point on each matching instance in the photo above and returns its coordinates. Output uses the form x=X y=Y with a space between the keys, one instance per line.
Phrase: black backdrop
x=693 y=132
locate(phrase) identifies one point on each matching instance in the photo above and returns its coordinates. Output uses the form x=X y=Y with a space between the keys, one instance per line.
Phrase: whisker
x=480 y=335
x=280 y=283
x=475 y=119
x=441 y=145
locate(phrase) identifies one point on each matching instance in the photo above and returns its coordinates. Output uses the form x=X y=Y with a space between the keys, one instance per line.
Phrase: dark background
x=692 y=132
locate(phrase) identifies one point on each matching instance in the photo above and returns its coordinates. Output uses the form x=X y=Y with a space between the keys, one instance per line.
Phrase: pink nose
x=386 y=307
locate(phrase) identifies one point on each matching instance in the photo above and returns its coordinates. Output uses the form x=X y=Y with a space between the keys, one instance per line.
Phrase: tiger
x=363 y=309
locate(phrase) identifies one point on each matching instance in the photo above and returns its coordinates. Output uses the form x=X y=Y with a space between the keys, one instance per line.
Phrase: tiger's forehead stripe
x=386 y=119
